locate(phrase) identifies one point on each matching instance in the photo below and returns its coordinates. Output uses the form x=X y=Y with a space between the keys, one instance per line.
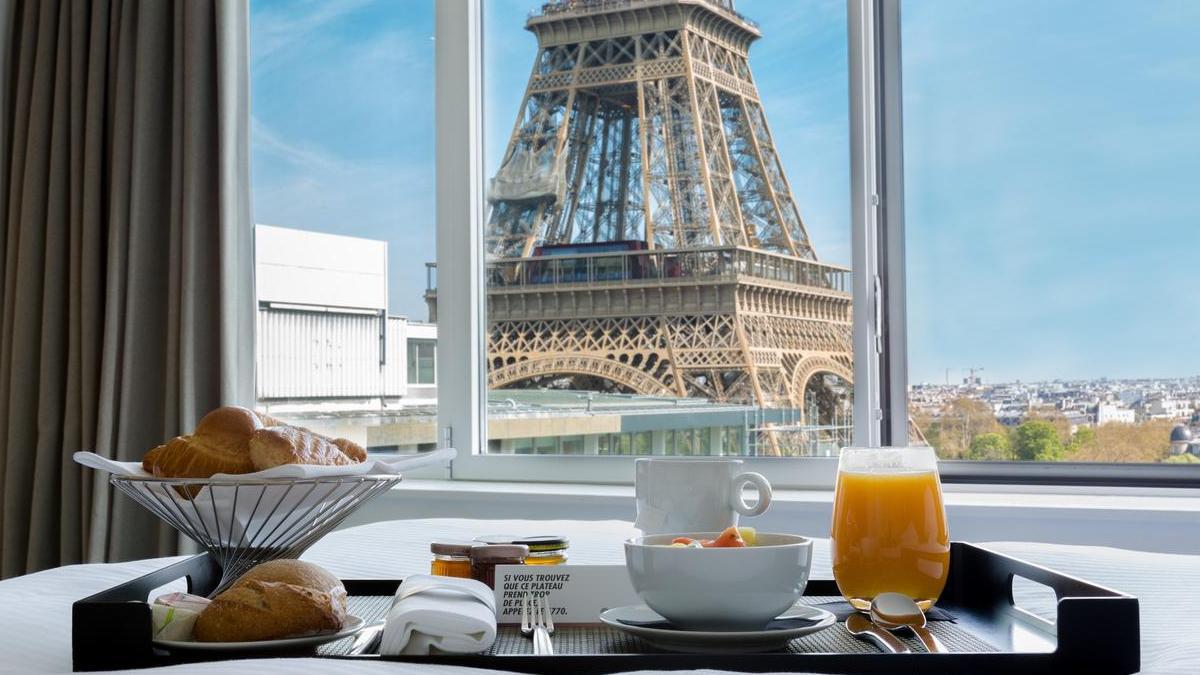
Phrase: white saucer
x=712 y=642
x=353 y=625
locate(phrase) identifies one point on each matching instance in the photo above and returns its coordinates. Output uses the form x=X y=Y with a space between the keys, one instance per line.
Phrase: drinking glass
x=889 y=526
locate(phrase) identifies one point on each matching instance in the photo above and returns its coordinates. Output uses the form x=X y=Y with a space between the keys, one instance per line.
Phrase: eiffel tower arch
x=642 y=235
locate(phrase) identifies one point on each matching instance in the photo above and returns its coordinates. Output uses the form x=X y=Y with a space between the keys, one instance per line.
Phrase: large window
x=1050 y=148
x=666 y=228
x=342 y=157
x=659 y=225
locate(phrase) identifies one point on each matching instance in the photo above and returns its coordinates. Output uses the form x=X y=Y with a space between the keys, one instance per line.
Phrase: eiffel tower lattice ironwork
x=642 y=234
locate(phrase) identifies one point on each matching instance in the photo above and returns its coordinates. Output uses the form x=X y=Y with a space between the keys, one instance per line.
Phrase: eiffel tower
x=643 y=237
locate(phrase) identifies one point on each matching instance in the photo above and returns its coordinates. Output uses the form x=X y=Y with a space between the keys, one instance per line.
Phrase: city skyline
x=332 y=85
x=962 y=381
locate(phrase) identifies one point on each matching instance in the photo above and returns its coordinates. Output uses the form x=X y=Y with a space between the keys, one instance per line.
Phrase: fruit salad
x=732 y=537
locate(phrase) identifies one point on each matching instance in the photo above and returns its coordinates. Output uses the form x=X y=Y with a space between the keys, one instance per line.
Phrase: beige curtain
x=127 y=257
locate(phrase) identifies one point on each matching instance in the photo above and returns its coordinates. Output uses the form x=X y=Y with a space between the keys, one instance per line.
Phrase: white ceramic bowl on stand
x=719 y=588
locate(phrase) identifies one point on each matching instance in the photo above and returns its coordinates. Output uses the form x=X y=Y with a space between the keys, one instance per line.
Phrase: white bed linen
x=35 y=610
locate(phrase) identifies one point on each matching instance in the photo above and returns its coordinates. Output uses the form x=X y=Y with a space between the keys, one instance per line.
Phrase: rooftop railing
x=664 y=266
x=576 y=7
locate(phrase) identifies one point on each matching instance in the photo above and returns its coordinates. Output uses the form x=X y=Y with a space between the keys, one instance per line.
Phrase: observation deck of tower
x=642 y=235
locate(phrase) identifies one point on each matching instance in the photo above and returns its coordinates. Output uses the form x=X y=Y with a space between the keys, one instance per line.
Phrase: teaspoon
x=861 y=626
x=896 y=610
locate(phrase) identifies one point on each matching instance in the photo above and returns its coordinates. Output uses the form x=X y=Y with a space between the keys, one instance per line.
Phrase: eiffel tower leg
x=698 y=124
x=676 y=373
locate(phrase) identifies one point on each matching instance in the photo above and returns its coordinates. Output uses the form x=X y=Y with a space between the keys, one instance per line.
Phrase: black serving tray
x=1096 y=629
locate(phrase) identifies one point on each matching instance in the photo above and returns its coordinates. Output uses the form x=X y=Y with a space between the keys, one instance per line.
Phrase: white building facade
x=1109 y=413
x=324 y=337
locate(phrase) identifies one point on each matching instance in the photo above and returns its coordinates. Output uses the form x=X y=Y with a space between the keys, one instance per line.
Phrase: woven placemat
x=369 y=608
x=602 y=639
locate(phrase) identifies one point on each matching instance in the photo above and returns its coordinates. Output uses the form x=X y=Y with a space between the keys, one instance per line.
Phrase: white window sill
x=1154 y=520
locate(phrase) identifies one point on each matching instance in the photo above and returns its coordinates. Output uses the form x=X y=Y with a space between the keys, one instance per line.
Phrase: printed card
x=577 y=593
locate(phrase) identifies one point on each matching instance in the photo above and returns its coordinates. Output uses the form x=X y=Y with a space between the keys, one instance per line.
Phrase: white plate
x=714 y=642
x=353 y=625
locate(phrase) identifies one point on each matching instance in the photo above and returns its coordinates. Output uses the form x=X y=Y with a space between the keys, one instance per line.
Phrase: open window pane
x=652 y=285
x=342 y=155
x=1050 y=151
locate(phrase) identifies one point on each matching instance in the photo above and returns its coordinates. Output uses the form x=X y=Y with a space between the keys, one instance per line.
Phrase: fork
x=543 y=626
x=536 y=622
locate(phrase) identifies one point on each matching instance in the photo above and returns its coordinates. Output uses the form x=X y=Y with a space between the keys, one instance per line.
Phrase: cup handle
x=764 y=493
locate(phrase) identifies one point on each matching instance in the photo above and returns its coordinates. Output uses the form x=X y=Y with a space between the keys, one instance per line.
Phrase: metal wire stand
x=242 y=523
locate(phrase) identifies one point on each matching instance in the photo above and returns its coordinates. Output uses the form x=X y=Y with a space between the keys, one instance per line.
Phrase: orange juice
x=889 y=535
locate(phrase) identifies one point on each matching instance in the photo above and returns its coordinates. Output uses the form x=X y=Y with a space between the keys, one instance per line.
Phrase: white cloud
x=298 y=154
x=279 y=28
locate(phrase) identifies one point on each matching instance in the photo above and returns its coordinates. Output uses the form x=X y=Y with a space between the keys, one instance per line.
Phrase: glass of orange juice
x=889 y=526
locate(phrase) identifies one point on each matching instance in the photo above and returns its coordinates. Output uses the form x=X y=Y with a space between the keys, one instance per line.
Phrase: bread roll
x=298 y=572
x=275 y=446
x=277 y=599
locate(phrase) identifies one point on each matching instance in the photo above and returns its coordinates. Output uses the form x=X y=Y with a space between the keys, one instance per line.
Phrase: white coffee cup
x=694 y=495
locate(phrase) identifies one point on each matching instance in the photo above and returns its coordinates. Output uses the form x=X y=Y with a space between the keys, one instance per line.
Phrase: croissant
x=220 y=444
x=274 y=446
x=223 y=443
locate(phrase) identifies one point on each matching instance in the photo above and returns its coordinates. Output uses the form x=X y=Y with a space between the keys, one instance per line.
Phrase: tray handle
x=1096 y=627
x=991 y=575
x=112 y=629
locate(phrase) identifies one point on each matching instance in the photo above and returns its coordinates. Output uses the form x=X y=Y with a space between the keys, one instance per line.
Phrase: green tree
x=1038 y=441
x=925 y=428
x=1083 y=437
x=990 y=446
x=1147 y=441
x=957 y=424
x=1056 y=419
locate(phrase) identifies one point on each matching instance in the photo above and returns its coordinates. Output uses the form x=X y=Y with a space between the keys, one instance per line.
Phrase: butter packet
x=173 y=616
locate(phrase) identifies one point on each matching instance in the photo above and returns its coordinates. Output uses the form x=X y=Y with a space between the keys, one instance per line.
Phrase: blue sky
x=1051 y=153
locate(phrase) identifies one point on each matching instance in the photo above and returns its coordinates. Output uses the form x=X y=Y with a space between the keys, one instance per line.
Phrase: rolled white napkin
x=435 y=614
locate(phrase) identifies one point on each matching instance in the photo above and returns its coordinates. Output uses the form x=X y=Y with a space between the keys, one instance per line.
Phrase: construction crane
x=972 y=379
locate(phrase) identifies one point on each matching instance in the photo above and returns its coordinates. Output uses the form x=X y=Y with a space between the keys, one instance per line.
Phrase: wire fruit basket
x=242 y=523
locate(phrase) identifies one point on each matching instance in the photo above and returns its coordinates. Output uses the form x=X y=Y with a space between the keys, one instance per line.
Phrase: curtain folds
x=126 y=267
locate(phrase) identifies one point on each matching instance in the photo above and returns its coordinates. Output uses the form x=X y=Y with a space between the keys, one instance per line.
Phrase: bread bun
x=296 y=572
x=275 y=446
x=277 y=599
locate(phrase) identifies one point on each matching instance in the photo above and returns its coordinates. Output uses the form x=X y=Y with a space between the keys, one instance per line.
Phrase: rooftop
x=549 y=403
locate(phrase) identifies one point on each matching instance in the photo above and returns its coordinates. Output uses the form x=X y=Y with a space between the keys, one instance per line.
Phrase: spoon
x=896 y=610
x=861 y=626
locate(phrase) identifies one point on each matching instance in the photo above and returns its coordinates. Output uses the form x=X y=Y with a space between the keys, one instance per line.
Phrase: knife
x=367 y=639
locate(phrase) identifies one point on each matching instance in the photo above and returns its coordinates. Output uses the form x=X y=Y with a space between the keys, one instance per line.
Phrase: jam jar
x=485 y=557
x=451 y=558
x=543 y=550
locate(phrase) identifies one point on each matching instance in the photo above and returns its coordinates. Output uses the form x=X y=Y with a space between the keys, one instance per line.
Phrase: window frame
x=878 y=261
x=413 y=365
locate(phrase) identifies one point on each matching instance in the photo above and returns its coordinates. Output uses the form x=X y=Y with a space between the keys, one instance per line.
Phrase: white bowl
x=719 y=588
